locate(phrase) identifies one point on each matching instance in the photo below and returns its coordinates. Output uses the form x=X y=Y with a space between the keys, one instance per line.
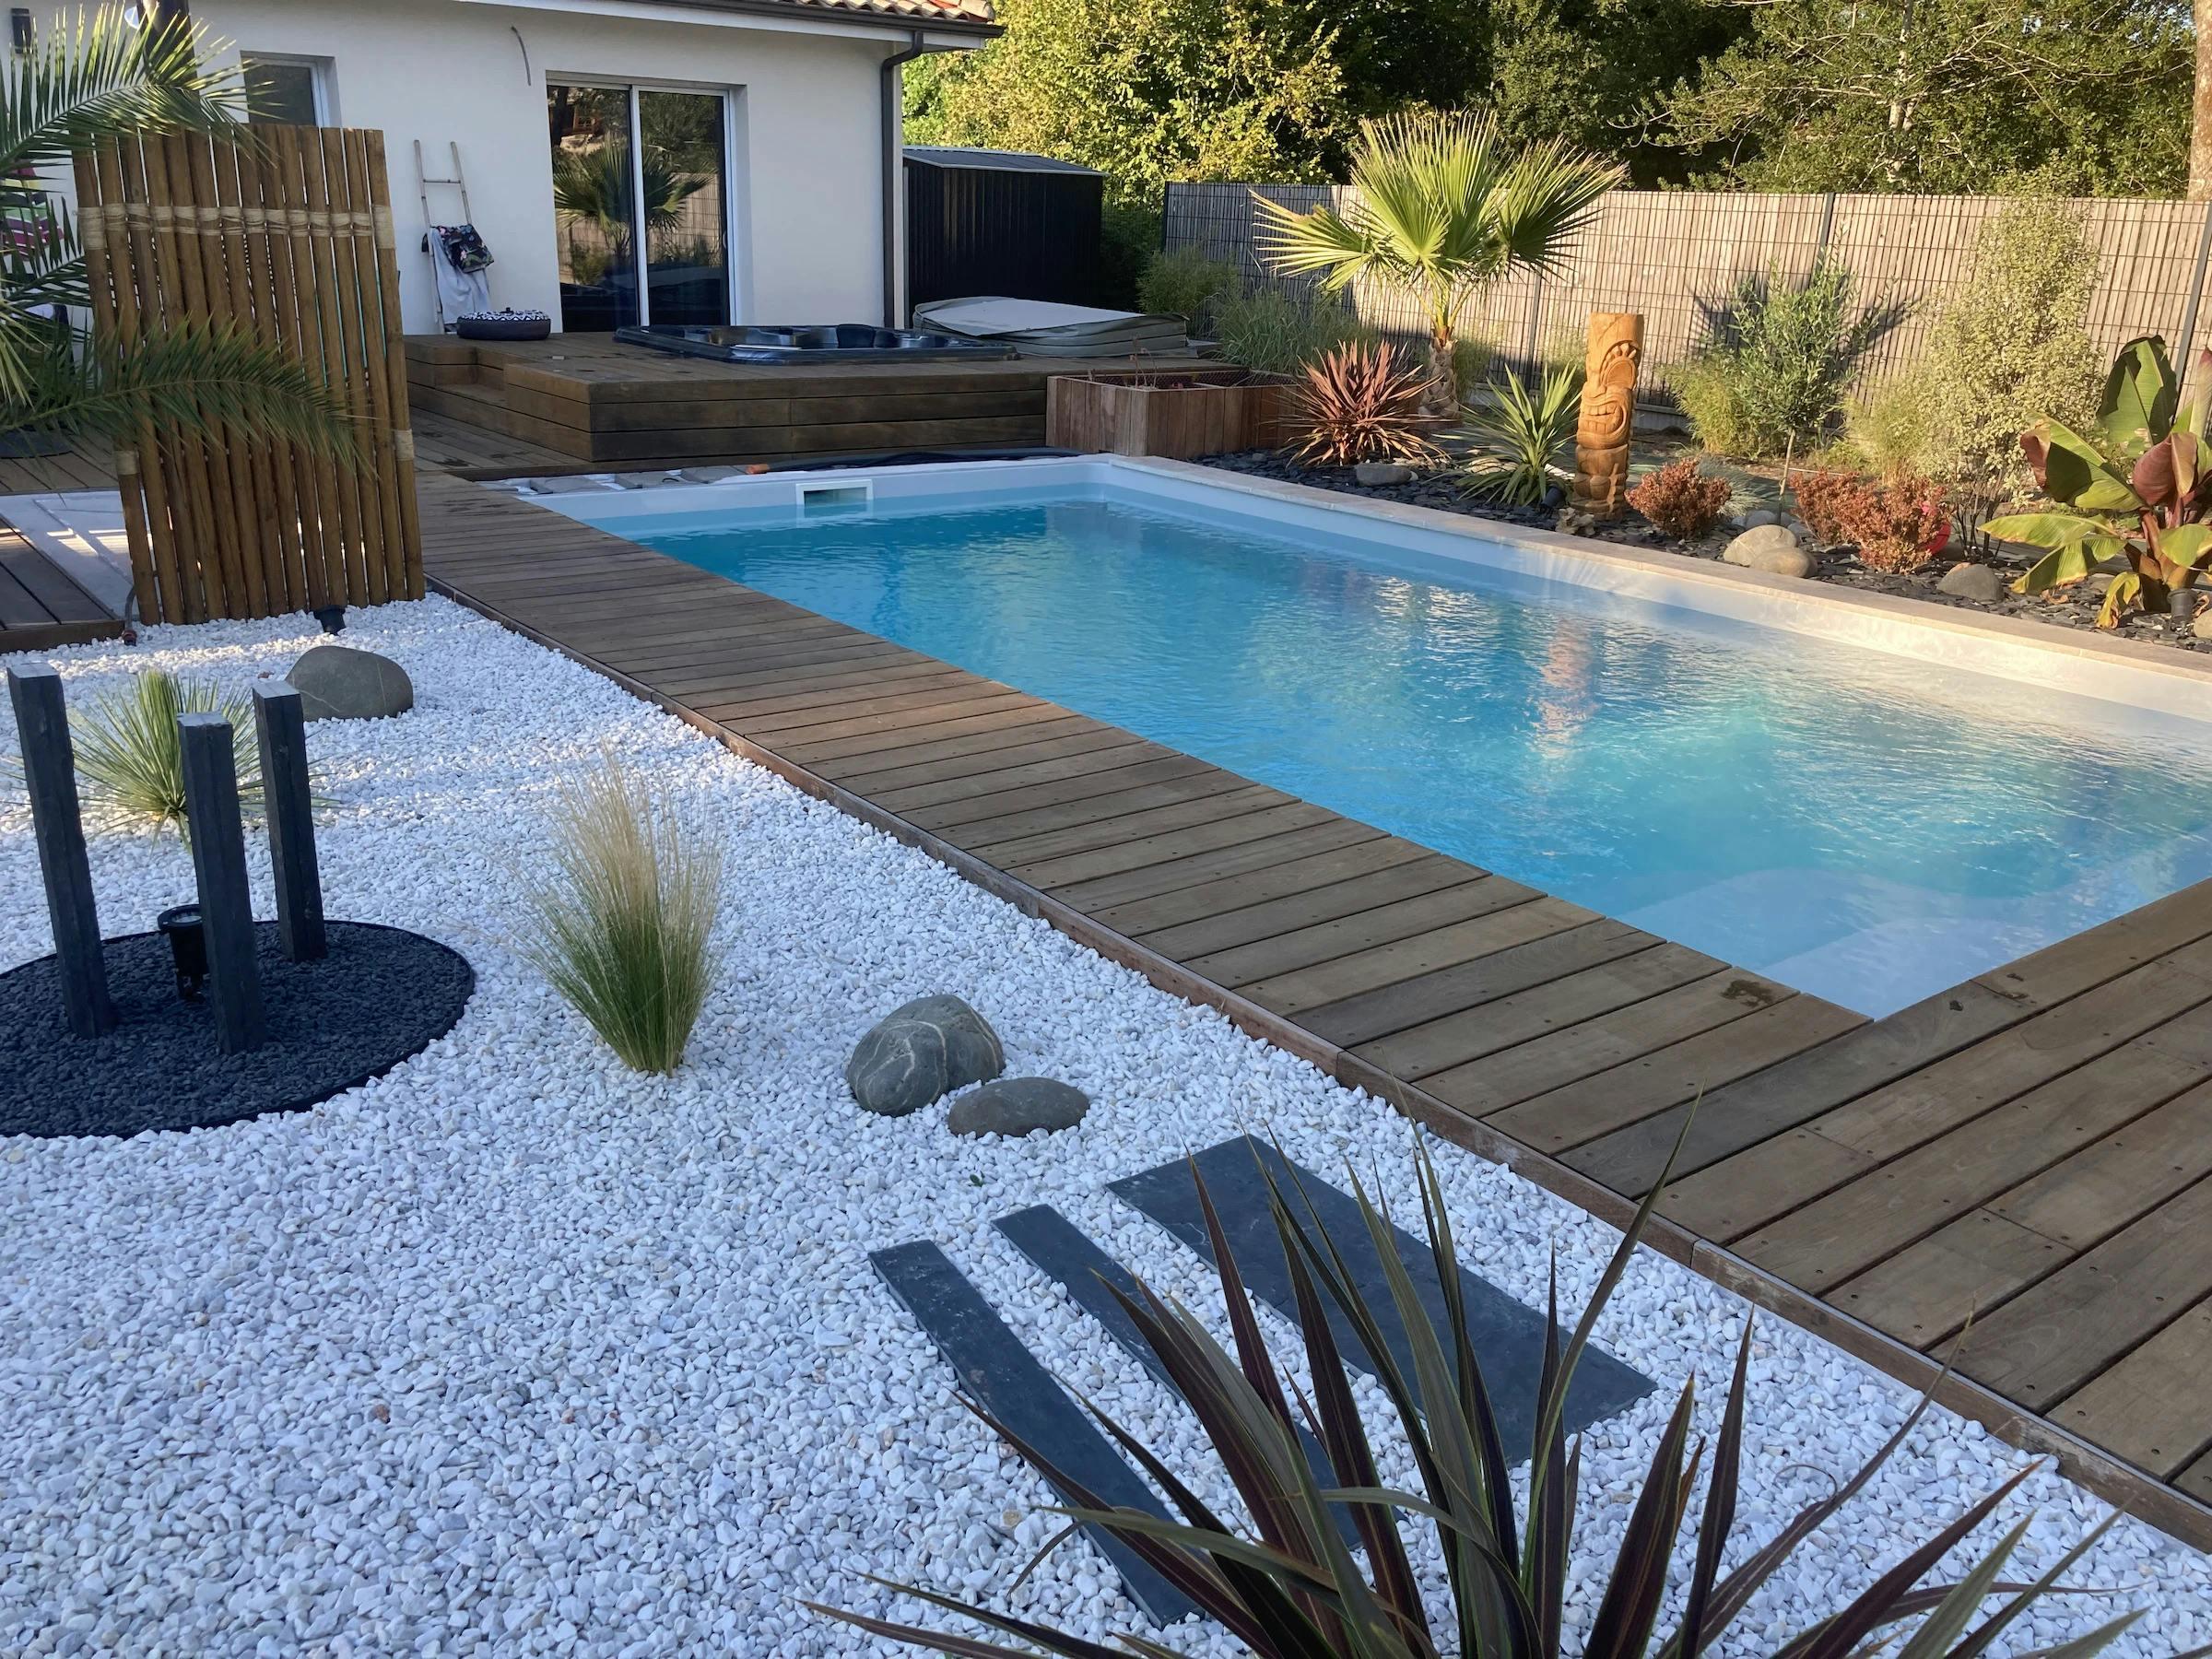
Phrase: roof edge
x=858 y=17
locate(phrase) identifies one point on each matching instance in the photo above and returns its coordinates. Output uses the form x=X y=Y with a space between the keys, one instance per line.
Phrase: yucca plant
x=1288 y=1588
x=1361 y=402
x=1441 y=206
x=625 y=934
x=1519 y=436
x=98 y=77
x=130 y=759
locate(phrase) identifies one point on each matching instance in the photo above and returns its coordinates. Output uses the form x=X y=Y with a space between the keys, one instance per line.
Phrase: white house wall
x=806 y=168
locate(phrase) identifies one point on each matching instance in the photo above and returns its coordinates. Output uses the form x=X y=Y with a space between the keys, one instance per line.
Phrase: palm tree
x=99 y=79
x=1442 y=207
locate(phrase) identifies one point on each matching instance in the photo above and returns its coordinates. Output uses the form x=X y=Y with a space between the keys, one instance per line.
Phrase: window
x=21 y=34
x=286 y=91
x=615 y=149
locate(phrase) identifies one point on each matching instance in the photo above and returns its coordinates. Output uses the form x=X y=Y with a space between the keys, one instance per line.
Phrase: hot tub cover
x=1040 y=328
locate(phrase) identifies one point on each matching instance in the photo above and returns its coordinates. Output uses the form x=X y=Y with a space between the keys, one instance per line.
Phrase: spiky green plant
x=1442 y=207
x=97 y=79
x=626 y=933
x=130 y=759
x=1295 y=1590
x=1520 y=435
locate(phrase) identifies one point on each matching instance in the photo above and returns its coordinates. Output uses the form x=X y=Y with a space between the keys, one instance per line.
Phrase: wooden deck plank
x=1677 y=1073
x=993 y=745
x=970 y=765
x=1730 y=1198
x=2149 y=1408
x=1083 y=814
x=1365 y=972
x=1413 y=1002
x=1204 y=869
x=1345 y=935
x=1589 y=1048
x=1109 y=784
x=1468 y=1034
x=1142 y=917
x=1830 y=1240
x=2045 y=1343
x=1214 y=813
x=1191 y=942
x=1169 y=847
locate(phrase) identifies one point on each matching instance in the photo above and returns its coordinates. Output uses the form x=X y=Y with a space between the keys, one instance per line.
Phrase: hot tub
x=829 y=342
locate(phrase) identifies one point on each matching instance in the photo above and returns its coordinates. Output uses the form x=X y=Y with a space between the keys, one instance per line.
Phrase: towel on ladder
x=459 y=256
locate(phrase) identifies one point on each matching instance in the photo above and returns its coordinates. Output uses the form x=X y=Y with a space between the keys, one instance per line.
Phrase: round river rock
x=339 y=682
x=1017 y=1106
x=922 y=1052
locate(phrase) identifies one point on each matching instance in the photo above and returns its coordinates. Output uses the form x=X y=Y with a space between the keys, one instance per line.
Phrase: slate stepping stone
x=1066 y=1255
x=1508 y=1337
x=999 y=1374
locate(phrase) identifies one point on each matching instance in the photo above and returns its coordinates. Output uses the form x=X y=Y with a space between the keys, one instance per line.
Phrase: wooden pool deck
x=2031 y=1151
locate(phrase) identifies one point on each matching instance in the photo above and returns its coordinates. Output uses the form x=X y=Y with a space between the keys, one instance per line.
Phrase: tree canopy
x=2075 y=97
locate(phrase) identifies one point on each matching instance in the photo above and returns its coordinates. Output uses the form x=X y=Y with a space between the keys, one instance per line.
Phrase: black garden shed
x=981 y=222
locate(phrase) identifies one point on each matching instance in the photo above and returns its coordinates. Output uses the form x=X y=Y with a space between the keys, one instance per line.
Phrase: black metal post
x=57 y=825
x=282 y=730
x=218 y=862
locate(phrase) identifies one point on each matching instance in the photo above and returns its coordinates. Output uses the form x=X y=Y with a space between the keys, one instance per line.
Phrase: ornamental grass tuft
x=626 y=933
x=1286 y=1585
x=130 y=759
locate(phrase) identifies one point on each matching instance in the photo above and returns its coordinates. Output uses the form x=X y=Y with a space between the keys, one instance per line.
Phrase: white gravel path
x=514 y=1352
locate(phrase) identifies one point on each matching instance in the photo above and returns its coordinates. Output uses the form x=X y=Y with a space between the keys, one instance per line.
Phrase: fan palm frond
x=98 y=75
x=194 y=377
x=1440 y=206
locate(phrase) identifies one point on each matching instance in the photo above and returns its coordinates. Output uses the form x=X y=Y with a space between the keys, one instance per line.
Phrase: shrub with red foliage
x=1897 y=524
x=1680 y=499
x=1361 y=402
x=1826 y=497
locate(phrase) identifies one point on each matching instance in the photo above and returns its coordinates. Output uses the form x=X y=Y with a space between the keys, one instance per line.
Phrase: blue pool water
x=1856 y=825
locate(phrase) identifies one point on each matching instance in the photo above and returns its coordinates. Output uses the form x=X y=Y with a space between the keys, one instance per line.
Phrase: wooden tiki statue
x=1608 y=416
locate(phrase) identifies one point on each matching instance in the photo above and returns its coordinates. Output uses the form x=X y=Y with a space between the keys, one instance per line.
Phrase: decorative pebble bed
x=512 y=1351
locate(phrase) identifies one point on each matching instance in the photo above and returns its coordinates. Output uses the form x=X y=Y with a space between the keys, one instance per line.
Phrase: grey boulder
x=1377 y=475
x=922 y=1052
x=1017 y=1106
x=1769 y=548
x=339 y=682
x=1975 y=582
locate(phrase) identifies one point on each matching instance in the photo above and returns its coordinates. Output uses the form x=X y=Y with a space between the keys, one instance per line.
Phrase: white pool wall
x=2134 y=672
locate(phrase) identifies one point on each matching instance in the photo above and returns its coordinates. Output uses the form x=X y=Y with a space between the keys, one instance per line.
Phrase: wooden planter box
x=1177 y=417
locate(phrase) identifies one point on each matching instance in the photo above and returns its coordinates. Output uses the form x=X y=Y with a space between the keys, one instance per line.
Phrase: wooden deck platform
x=2031 y=1151
x=598 y=403
x=40 y=607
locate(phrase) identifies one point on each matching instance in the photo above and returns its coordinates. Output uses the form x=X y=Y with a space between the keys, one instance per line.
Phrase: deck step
x=1508 y=1337
x=999 y=1374
x=1069 y=1257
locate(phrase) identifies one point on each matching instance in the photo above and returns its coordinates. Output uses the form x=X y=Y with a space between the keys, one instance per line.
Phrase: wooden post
x=50 y=771
x=1608 y=416
x=282 y=729
x=218 y=862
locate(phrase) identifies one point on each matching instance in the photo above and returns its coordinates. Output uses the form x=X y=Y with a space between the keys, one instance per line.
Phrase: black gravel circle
x=381 y=994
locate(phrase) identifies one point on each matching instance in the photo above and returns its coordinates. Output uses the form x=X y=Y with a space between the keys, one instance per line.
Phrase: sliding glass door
x=640 y=205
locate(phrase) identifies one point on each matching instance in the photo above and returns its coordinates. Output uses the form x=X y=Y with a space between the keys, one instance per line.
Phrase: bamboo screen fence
x=290 y=242
x=1673 y=254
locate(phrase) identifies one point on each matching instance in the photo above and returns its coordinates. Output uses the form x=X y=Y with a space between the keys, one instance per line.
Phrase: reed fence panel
x=1675 y=256
x=289 y=240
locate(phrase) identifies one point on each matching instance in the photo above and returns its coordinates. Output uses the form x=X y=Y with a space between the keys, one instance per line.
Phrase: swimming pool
x=1864 y=824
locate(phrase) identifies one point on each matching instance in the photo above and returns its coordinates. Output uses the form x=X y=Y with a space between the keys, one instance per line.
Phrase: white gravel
x=514 y=1352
